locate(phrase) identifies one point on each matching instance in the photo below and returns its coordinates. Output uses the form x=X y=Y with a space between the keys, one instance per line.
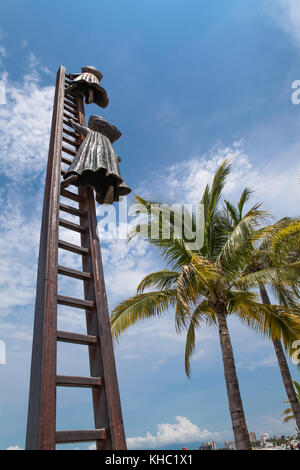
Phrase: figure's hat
x=93 y=70
x=82 y=85
x=99 y=124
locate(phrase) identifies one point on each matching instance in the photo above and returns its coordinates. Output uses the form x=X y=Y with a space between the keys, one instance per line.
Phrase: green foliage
x=288 y=412
x=237 y=256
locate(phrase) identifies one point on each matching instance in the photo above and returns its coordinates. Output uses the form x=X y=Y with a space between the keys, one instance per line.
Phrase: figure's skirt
x=83 y=87
x=109 y=187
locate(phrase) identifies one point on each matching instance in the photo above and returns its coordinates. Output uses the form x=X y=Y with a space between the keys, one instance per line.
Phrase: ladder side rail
x=41 y=423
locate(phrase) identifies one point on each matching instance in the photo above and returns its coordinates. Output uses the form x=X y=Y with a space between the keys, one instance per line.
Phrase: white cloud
x=125 y=265
x=24 y=139
x=18 y=251
x=275 y=183
x=253 y=365
x=183 y=431
x=19 y=335
x=286 y=13
x=25 y=123
x=14 y=448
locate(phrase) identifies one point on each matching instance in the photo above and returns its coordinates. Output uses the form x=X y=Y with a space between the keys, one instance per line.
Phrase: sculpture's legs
x=109 y=196
x=72 y=179
x=90 y=97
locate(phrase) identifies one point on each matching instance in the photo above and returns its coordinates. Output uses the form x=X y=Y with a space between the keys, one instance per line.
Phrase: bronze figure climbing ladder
x=41 y=425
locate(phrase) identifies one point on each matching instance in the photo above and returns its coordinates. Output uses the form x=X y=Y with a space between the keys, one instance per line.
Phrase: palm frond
x=272 y=321
x=168 y=228
x=218 y=184
x=202 y=313
x=210 y=201
x=161 y=280
x=232 y=212
x=196 y=278
x=297 y=387
x=285 y=240
x=245 y=196
x=288 y=415
x=140 y=307
x=189 y=347
x=238 y=248
x=285 y=274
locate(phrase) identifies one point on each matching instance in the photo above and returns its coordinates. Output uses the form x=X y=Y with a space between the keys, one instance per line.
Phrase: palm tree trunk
x=283 y=365
x=240 y=431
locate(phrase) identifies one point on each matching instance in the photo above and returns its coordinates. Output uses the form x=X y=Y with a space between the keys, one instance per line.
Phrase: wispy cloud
x=18 y=250
x=253 y=365
x=286 y=13
x=25 y=123
x=275 y=183
x=2 y=51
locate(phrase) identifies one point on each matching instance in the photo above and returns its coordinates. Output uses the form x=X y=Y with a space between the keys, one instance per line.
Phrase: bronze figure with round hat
x=86 y=84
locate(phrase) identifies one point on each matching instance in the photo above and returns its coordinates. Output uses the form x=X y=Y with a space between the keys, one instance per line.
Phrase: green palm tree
x=275 y=261
x=204 y=286
x=288 y=412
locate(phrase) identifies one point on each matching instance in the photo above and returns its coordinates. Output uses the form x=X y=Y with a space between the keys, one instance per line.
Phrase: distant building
x=230 y=445
x=210 y=445
x=252 y=436
x=264 y=437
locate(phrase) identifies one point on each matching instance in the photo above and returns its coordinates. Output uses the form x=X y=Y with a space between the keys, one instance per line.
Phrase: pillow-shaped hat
x=99 y=124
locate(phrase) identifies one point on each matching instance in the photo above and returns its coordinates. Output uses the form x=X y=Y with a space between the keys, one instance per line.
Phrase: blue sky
x=190 y=83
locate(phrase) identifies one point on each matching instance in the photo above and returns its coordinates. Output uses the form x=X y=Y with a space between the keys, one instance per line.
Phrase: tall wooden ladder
x=41 y=424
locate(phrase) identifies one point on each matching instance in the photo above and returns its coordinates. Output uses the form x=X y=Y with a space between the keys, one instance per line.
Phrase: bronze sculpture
x=96 y=164
x=86 y=84
x=108 y=429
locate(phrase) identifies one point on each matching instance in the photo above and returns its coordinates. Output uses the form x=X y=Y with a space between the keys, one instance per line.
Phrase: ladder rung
x=68 y=82
x=70 y=97
x=71 y=226
x=74 y=273
x=69 y=151
x=70 y=117
x=66 y=160
x=66 y=122
x=70 y=195
x=83 y=382
x=76 y=338
x=62 y=172
x=70 y=142
x=73 y=302
x=70 y=133
x=70 y=110
x=63 y=437
x=70 y=103
x=71 y=210
x=80 y=250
